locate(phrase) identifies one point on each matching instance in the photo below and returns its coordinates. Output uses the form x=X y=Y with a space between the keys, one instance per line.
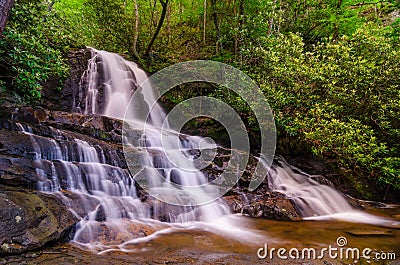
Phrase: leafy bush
x=342 y=97
x=32 y=47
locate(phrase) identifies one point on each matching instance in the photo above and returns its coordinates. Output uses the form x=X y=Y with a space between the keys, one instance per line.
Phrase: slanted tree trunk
x=337 y=23
x=5 y=10
x=271 y=21
x=168 y=21
x=164 y=5
x=153 y=8
x=50 y=6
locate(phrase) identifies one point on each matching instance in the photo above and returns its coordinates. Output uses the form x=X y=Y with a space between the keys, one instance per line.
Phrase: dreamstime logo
x=340 y=251
x=145 y=125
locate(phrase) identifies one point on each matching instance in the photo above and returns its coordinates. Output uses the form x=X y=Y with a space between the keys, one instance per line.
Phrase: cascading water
x=103 y=194
x=100 y=191
x=312 y=198
x=315 y=200
x=121 y=79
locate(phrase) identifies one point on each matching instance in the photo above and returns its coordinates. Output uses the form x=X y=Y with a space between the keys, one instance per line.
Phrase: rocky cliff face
x=63 y=100
x=38 y=145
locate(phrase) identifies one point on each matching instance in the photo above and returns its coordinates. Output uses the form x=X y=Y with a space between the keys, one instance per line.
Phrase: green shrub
x=31 y=49
x=342 y=97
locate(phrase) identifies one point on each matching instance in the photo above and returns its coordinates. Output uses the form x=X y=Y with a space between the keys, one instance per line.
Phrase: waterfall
x=315 y=197
x=121 y=79
x=311 y=197
x=91 y=177
x=111 y=213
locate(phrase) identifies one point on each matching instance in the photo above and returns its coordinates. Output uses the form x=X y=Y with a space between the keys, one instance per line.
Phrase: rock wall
x=63 y=100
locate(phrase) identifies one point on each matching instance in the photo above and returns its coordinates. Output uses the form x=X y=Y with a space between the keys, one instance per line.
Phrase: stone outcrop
x=31 y=219
x=62 y=100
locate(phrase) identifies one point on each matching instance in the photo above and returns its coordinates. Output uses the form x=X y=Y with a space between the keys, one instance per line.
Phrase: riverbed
x=201 y=246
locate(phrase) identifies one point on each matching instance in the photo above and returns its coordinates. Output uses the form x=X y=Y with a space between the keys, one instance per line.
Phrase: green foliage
x=31 y=49
x=395 y=30
x=316 y=20
x=341 y=97
x=112 y=31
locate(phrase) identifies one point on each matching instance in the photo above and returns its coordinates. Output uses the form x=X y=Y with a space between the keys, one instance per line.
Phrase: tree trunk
x=5 y=9
x=241 y=24
x=271 y=21
x=159 y=26
x=50 y=6
x=153 y=8
x=217 y=30
x=136 y=33
x=204 y=21
x=169 y=11
x=337 y=24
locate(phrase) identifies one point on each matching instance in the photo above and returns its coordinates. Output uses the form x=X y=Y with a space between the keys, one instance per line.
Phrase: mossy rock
x=29 y=220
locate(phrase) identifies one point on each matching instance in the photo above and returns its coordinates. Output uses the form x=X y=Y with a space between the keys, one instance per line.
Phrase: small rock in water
x=203 y=241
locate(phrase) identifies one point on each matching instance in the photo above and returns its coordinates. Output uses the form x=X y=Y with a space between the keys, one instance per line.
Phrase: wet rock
x=363 y=204
x=17 y=143
x=40 y=115
x=53 y=98
x=100 y=127
x=24 y=114
x=221 y=163
x=29 y=220
x=166 y=212
x=271 y=206
x=17 y=172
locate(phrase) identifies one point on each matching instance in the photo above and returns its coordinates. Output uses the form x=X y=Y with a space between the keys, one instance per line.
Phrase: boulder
x=29 y=220
x=272 y=205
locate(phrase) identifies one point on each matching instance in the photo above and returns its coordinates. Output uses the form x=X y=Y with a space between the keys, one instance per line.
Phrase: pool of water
x=202 y=245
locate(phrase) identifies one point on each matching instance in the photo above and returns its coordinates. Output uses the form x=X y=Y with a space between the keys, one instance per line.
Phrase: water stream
x=316 y=198
x=111 y=213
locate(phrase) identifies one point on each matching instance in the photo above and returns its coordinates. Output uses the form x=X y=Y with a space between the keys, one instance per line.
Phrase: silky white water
x=119 y=210
x=103 y=194
x=315 y=200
